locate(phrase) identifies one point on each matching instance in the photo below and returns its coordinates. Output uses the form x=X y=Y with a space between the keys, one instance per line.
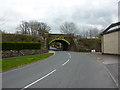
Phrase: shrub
x=20 y=45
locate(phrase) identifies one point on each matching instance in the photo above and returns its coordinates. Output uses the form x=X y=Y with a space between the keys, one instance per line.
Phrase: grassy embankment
x=10 y=63
x=86 y=45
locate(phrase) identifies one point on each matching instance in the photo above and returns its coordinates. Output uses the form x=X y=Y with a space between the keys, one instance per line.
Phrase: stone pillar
x=46 y=41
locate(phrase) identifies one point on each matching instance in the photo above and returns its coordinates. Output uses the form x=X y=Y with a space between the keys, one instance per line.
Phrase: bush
x=20 y=46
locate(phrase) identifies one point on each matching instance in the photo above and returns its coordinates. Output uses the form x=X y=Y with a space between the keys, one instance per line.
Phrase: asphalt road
x=63 y=70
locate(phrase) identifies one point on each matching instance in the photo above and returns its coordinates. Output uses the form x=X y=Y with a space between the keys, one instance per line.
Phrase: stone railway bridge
x=68 y=42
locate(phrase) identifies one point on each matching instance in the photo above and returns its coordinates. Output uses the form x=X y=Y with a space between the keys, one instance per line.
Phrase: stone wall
x=15 y=53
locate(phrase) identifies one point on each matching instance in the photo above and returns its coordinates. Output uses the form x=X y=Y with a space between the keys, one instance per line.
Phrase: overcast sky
x=96 y=13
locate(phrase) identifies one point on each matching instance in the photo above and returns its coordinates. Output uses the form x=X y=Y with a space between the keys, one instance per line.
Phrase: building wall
x=102 y=39
x=110 y=43
x=119 y=42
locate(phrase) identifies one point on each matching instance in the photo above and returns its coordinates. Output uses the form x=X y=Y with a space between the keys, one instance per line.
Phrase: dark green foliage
x=86 y=45
x=20 y=46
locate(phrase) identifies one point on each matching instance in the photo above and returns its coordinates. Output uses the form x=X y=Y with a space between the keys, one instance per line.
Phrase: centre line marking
x=66 y=62
x=39 y=79
x=69 y=55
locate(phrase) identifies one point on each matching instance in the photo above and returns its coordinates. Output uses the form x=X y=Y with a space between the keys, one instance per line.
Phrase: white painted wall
x=110 y=43
x=119 y=42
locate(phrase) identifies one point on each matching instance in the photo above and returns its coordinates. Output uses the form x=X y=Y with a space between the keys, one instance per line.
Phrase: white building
x=111 y=39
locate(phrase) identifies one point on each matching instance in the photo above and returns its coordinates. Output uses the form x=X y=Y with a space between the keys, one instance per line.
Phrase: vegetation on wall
x=89 y=44
x=9 y=39
x=19 y=38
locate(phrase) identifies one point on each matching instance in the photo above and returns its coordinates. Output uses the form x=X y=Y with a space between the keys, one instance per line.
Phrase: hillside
x=89 y=44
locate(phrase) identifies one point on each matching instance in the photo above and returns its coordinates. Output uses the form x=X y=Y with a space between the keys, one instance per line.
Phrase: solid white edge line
x=66 y=62
x=39 y=79
x=112 y=77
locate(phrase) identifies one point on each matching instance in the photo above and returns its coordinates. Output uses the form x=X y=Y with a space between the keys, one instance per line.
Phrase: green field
x=9 y=63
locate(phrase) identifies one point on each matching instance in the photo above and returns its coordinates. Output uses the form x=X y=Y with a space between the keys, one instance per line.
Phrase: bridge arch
x=65 y=43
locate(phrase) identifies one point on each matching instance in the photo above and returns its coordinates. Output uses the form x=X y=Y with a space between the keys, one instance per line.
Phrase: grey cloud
x=102 y=16
x=98 y=17
x=86 y=14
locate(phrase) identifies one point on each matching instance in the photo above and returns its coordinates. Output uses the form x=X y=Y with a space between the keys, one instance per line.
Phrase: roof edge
x=109 y=27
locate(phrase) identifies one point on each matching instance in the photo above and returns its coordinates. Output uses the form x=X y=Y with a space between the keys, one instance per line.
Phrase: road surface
x=63 y=70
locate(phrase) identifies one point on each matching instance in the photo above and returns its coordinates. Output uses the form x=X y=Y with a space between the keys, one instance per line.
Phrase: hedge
x=20 y=46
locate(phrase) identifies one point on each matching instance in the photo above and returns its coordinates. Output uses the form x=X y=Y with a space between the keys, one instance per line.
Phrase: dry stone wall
x=16 y=53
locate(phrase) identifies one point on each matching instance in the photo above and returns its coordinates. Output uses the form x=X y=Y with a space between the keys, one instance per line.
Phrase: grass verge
x=10 y=63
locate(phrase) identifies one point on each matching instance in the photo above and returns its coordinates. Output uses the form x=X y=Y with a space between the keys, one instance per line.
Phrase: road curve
x=63 y=70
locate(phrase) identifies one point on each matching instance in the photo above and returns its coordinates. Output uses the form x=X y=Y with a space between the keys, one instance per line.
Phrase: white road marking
x=23 y=67
x=39 y=79
x=66 y=62
x=112 y=77
x=69 y=55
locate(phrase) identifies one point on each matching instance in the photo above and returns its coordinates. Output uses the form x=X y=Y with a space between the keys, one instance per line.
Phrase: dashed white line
x=66 y=62
x=39 y=79
x=69 y=55
x=45 y=75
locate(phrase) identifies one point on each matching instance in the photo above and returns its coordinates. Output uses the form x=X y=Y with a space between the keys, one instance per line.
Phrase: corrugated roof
x=112 y=28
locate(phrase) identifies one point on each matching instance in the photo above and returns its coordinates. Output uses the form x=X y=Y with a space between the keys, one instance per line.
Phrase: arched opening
x=59 y=44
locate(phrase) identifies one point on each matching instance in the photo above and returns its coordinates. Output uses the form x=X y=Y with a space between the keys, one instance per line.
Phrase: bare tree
x=2 y=22
x=33 y=28
x=93 y=32
x=39 y=27
x=90 y=32
x=84 y=32
x=68 y=28
x=23 y=27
